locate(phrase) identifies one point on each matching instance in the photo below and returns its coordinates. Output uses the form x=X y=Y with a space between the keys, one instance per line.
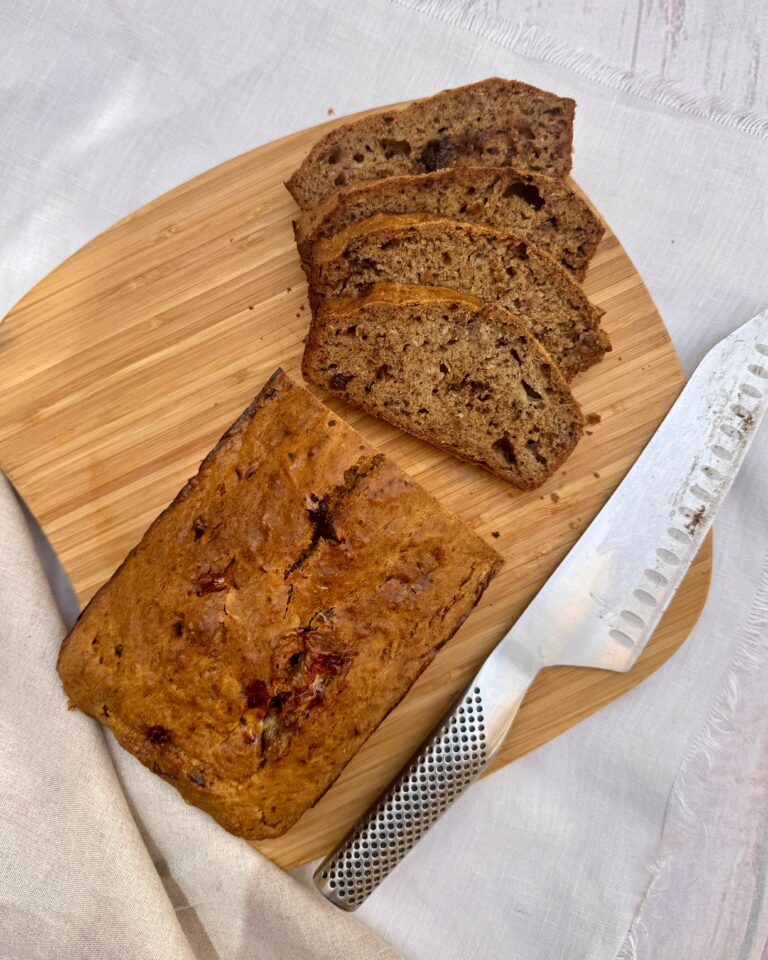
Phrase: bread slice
x=274 y=614
x=464 y=376
x=492 y=265
x=541 y=209
x=492 y=123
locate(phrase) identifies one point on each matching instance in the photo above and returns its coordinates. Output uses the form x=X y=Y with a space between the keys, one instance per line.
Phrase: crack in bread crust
x=322 y=513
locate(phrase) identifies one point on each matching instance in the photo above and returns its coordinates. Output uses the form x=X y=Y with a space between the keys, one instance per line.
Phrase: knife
x=598 y=609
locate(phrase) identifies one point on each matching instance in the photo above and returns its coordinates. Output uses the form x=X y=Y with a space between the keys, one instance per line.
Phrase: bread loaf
x=541 y=209
x=492 y=123
x=494 y=266
x=440 y=365
x=273 y=614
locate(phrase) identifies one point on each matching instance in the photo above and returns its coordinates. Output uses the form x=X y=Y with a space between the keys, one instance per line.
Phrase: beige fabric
x=100 y=859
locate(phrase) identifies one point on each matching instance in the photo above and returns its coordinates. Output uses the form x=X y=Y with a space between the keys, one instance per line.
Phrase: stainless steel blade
x=63 y=592
x=598 y=609
x=602 y=604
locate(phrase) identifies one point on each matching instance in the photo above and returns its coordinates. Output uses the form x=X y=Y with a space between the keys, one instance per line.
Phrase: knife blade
x=58 y=580
x=598 y=609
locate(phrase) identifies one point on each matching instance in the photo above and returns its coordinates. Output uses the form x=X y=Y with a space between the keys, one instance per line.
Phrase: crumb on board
x=747 y=419
x=596 y=475
x=287 y=289
x=589 y=432
x=495 y=534
x=696 y=519
x=554 y=497
x=593 y=418
x=250 y=306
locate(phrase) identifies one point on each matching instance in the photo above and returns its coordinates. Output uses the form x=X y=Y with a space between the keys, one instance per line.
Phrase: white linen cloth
x=642 y=832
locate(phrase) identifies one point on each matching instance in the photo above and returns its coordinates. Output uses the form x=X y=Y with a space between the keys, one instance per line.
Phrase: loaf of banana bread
x=464 y=376
x=541 y=209
x=492 y=123
x=492 y=265
x=273 y=614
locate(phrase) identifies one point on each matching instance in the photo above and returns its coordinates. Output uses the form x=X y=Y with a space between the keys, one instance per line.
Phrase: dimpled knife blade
x=598 y=609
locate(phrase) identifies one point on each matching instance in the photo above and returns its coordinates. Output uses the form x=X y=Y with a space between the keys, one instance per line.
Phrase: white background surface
x=642 y=832
x=710 y=48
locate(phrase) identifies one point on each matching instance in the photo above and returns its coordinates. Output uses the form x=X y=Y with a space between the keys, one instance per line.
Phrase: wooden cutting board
x=120 y=370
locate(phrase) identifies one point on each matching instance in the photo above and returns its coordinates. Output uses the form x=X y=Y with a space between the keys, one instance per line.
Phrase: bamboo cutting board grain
x=120 y=370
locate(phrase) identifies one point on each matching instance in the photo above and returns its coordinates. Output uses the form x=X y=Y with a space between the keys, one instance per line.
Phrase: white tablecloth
x=640 y=833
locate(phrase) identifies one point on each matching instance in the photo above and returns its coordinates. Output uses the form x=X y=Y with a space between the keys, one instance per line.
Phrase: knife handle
x=455 y=753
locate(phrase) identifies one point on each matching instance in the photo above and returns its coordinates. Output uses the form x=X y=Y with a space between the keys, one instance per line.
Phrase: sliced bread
x=492 y=265
x=542 y=209
x=464 y=376
x=492 y=123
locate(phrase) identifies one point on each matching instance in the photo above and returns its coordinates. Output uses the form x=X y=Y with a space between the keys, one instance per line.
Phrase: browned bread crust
x=440 y=365
x=541 y=209
x=273 y=614
x=494 y=266
x=494 y=123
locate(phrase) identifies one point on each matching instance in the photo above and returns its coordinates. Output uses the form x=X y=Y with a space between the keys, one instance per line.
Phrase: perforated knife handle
x=446 y=764
x=454 y=755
